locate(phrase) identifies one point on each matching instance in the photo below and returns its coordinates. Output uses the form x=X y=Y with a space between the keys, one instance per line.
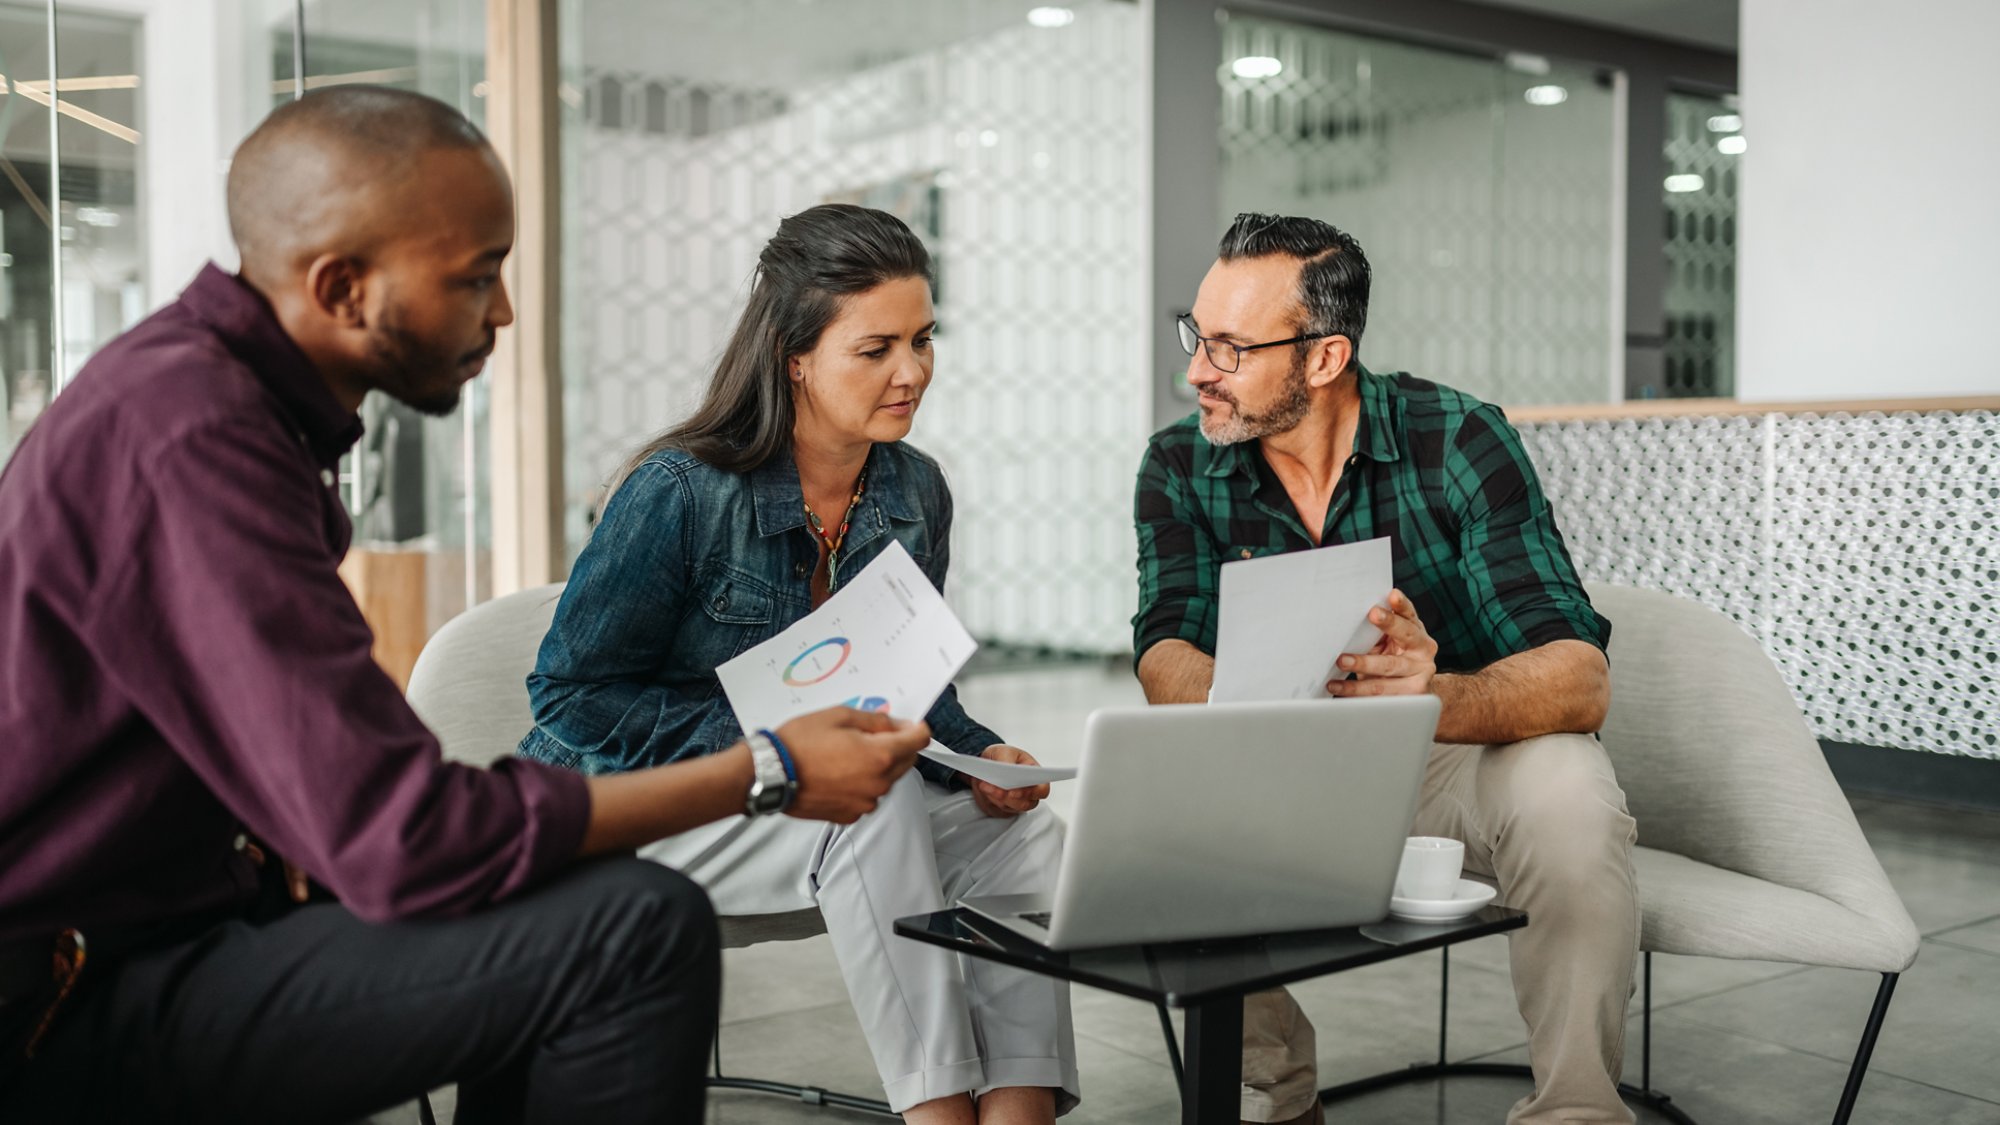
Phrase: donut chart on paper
x=868 y=703
x=817 y=662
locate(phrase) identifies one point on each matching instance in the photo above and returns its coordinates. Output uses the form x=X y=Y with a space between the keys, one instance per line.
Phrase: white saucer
x=1470 y=897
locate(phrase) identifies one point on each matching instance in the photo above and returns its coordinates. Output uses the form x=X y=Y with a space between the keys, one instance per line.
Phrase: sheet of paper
x=1285 y=619
x=885 y=641
x=1006 y=775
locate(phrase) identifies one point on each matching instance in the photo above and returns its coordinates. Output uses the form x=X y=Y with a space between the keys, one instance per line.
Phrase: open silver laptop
x=1226 y=819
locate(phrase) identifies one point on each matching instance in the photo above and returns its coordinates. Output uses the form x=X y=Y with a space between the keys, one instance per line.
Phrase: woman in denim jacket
x=725 y=530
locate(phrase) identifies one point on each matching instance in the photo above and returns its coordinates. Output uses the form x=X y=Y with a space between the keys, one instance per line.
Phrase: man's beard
x=417 y=374
x=1293 y=403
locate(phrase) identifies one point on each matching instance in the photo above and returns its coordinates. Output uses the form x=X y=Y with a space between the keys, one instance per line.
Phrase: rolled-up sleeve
x=594 y=688
x=227 y=623
x=1511 y=554
x=1177 y=562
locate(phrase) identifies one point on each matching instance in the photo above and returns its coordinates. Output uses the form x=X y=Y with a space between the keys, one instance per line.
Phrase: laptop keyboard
x=1038 y=917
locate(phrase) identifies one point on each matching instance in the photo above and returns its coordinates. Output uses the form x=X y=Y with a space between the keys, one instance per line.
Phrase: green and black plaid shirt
x=1441 y=473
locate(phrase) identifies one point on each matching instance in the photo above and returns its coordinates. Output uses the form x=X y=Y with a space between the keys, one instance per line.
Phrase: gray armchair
x=470 y=686
x=1747 y=847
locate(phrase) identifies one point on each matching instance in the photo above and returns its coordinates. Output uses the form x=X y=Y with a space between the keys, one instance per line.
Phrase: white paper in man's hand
x=885 y=641
x=1285 y=619
x=1006 y=775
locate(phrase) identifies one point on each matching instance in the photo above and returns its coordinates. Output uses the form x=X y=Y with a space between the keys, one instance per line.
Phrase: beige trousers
x=1545 y=819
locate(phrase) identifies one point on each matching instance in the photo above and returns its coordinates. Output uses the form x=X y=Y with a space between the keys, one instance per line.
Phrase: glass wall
x=1482 y=190
x=1015 y=148
x=95 y=215
x=417 y=487
x=1704 y=147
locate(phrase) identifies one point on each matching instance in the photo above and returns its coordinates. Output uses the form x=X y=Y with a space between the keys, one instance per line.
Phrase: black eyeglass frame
x=1185 y=325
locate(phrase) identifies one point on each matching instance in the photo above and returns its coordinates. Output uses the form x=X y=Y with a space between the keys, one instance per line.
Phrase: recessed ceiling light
x=1051 y=17
x=1725 y=123
x=1257 y=66
x=1684 y=182
x=1546 y=95
x=1732 y=146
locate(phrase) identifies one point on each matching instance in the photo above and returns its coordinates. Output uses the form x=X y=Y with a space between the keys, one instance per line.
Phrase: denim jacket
x=690 y=566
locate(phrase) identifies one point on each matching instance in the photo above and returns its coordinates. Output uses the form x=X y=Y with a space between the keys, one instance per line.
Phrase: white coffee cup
x=1430 y=868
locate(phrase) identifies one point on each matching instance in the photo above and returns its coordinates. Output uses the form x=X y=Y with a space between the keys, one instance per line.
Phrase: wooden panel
x=1725 y=407
x=390 y=588
x=526 y=369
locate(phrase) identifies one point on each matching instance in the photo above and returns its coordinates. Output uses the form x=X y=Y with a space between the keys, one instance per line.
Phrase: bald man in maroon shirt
x=191 y=725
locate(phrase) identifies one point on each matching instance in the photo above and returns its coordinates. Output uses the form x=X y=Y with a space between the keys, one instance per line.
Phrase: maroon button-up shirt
x=180 y=661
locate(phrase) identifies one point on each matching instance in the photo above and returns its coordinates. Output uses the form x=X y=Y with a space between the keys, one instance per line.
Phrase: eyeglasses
x=1225 y=356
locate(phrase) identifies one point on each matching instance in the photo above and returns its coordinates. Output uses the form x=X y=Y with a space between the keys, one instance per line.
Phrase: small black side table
x=1208 y=979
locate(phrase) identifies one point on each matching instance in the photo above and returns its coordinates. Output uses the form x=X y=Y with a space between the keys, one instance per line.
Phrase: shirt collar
x=779 y=500
x=1374 y=434
x=249 y=328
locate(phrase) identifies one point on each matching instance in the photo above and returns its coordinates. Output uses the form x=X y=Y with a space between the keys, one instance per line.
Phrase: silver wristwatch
x=770 y=788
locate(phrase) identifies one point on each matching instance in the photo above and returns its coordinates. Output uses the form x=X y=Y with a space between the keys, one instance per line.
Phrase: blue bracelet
x=784 y=755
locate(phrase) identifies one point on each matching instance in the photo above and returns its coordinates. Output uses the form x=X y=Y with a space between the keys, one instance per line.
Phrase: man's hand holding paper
x=1286 y=621
x=1402 y=662
x=885 y=644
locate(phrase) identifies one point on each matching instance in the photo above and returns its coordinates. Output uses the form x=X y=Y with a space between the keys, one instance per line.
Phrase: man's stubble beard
x=1290 y=409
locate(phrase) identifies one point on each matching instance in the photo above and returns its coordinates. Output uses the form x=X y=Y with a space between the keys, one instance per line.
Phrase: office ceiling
x=1703 y=23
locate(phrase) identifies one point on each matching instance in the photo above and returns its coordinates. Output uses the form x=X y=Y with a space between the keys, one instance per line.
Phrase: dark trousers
x=593 y=998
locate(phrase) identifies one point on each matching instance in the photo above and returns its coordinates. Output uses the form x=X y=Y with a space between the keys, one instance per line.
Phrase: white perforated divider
x=1863 y=551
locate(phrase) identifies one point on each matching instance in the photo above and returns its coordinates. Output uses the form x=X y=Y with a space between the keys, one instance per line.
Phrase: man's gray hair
x=1333 y=272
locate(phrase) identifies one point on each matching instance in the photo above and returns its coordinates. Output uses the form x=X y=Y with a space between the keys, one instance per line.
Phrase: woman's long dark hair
x=819 y=257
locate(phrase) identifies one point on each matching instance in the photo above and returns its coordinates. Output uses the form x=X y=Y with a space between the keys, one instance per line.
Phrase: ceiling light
x=1546 y=95
x=1732 y=146
x=1257 y=66
x=1526 y=63
x=1051 y=17
x=1684 y=182
x=1725 y=123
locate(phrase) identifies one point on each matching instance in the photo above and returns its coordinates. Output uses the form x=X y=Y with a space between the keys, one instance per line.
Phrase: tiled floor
x=1735 y=1043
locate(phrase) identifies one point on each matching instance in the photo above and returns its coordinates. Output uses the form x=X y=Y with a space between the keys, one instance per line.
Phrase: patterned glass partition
x=1704 y=147
x=1481 y=191
x=1015 y=150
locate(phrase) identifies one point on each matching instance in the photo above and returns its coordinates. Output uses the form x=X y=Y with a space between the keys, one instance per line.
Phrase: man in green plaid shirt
x=1297 y=445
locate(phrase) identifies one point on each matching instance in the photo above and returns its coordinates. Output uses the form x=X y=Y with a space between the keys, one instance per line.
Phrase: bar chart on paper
x=885 y=642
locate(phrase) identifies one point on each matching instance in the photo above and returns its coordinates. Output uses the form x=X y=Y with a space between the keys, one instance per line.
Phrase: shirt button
x=721 y=602
x=326 y=477
x=801 y=570
x=240 y=842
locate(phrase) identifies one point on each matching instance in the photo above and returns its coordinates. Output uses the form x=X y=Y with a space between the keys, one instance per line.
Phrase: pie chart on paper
x=817 y=662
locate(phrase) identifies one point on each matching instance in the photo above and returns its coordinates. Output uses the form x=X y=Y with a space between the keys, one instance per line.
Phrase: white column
x=1869 y=230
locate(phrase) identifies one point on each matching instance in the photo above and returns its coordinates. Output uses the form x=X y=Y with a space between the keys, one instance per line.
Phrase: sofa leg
x=1859 y=1070
x=1646 y=1030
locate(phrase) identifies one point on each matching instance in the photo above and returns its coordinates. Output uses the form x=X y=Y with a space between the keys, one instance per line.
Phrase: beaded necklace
x=832 y=542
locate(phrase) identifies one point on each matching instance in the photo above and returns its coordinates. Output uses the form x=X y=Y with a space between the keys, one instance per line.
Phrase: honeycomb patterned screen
x=1017 y=151
x=1482 y=193
x=1704 y=145
x=1862 y=550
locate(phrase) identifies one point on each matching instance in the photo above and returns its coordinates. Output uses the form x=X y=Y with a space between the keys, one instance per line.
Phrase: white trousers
x=937 y=1024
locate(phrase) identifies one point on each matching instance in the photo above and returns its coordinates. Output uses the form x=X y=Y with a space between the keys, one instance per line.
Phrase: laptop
x=1229 y=819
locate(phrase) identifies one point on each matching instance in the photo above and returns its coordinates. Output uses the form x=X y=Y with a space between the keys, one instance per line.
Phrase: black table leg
x=1211 y=1091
